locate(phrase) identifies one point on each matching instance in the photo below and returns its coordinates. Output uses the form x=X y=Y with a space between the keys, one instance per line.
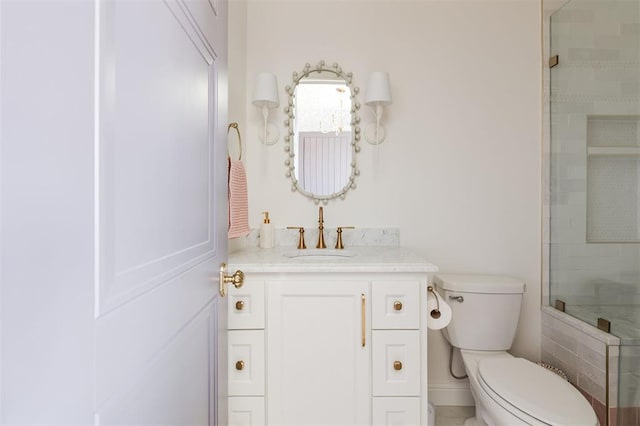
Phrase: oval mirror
x=323 y=132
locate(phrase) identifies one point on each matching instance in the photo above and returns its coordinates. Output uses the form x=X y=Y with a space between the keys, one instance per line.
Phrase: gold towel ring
x=235 y=126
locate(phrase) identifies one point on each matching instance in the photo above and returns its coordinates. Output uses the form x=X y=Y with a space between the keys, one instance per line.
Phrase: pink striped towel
x=238 y=204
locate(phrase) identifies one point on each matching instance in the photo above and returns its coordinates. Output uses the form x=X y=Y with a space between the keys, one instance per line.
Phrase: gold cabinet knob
x=397 y=305
x=397 y=365
x=240 y=365
x=239 y=305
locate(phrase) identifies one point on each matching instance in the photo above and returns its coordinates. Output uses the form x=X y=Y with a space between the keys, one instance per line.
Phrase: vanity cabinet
x=319 y=352
x=328 y=345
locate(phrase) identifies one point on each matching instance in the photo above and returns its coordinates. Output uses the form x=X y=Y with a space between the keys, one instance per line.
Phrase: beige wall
x=460 y=171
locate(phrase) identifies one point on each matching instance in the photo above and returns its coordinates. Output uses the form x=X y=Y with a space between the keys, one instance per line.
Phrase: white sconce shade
x=265 y=96
x=378 y=89
x=378 y=96
x=265 y=91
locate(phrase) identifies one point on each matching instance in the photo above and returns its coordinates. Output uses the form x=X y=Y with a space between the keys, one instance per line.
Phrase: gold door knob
x=397 y=365
x=397 y=305
x=239 y=305
x=236 y=279
x=240 y=365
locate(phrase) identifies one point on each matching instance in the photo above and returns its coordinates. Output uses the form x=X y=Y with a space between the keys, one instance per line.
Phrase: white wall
x=460 y=171
x=237 y=68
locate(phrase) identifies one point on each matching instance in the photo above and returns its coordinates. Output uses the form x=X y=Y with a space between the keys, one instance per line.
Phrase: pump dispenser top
x=266 y=232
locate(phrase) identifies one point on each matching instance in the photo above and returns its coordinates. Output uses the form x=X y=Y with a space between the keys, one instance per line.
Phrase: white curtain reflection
x=323 y=161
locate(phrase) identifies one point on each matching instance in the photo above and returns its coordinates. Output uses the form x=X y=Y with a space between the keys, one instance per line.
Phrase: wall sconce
x=265 y=96
x=377 y=97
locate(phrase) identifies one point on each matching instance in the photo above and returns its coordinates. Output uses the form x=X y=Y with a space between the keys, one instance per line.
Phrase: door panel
x=172 y=388
x=113 y=185
x=203 y=14
x=131 y=336
x=162 y=214
x=157 y=94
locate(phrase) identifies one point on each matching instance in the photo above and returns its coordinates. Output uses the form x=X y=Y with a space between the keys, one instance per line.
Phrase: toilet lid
x=536 y=391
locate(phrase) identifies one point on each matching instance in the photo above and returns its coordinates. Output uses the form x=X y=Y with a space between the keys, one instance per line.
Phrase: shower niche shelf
x=613 y=150
x=613 y=179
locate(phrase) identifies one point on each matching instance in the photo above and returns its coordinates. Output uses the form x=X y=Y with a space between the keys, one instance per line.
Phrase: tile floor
x=453 y=416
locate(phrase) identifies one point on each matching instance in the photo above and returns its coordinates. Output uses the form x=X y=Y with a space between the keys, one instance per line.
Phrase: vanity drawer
x=246 y=411
x=246 y=369
x=396 y=363
x=396 y=411
x=395 y=305
x=246 y=306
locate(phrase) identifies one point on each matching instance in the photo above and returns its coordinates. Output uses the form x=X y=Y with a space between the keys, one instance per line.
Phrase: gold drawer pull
x=240 y=365
x=397 y=305
x=239 y=305
x=397 y=365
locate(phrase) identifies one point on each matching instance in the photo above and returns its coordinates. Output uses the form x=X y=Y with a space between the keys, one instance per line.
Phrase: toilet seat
x=533 y=393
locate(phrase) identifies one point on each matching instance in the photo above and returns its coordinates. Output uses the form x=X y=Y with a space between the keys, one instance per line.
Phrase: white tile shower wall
x=629 y=376
x=599 y=51
x=581 y=351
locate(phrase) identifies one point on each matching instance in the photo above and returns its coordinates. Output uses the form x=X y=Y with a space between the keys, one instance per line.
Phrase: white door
x=114 y=215
x=318 y=350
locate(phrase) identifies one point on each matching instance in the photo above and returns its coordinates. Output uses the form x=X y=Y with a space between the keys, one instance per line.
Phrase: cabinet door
x=396 y=305
x=246 y=411
x=318 y=348
x=246 y=362
x=396 y=411
x=246 y=305
x=396 y=363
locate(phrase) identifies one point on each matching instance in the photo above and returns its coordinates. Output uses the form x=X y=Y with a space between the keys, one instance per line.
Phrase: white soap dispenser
x=266 y=232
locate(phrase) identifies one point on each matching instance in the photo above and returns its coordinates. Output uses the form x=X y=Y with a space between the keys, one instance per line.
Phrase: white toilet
x=507 y=390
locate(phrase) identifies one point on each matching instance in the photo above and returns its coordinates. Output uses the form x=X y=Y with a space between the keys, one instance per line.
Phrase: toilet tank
x=485 y=310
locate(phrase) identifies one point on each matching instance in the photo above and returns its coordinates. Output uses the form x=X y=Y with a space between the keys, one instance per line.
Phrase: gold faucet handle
x=301 y=244
x=339 y=244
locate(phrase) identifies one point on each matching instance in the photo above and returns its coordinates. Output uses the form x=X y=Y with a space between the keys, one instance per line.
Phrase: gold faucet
x=339 y=244
x=321 y=243
x=301 y=244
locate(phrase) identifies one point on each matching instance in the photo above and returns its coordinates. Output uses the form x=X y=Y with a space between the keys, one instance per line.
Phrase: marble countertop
x=353 y=259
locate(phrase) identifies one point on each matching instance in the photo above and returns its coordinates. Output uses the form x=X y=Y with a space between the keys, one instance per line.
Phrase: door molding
x=121 y=279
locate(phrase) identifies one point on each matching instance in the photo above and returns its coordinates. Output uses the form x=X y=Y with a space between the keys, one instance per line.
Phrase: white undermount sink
x=319 y=254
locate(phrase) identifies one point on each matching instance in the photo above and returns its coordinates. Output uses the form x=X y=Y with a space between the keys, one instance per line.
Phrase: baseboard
x=450 y=394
